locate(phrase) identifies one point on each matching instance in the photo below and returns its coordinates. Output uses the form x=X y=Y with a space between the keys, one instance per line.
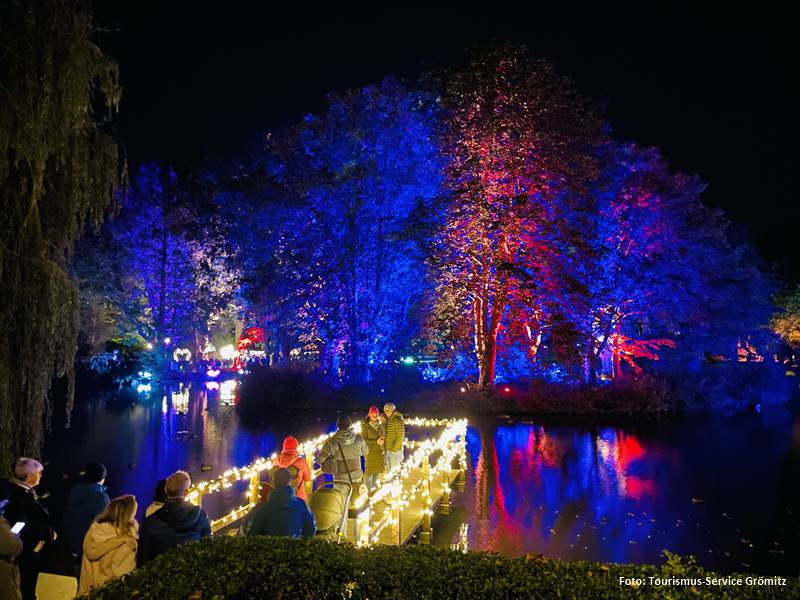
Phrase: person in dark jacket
x=284 y=514
x=175 y=523
x=38 y=533
x=87 y=499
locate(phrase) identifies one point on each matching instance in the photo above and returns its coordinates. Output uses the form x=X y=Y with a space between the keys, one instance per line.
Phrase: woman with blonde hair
x=109 y=548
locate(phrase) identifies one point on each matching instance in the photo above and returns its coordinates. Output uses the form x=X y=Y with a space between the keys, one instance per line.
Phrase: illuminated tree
x=59 y=170
x=344 y=237
x=519 y=144
x=786 y=323
x=162 y=265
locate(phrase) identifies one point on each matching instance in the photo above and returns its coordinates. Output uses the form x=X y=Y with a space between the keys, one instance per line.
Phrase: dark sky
x=201 y=83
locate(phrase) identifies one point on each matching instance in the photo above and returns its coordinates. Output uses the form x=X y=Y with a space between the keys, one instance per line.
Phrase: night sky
x=201 y=85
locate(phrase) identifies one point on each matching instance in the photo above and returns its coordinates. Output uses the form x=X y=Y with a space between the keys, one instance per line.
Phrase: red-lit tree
x=519 y=144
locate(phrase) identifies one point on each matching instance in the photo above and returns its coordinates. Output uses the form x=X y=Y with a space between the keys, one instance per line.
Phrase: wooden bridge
x=401 y=504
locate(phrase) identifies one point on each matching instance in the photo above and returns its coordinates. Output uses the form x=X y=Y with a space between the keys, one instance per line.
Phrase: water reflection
x=708 y=487
x=723 y=489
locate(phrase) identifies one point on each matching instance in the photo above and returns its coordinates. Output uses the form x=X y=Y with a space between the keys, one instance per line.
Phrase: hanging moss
x=60 y=168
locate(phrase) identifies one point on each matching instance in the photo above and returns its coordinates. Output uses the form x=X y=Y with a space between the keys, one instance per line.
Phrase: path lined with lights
x=404 y=500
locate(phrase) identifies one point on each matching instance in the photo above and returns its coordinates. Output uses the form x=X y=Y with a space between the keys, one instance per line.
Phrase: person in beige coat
x=10 y=548
x=109 y=548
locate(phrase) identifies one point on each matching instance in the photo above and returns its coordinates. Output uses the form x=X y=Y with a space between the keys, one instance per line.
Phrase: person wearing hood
x=373 y=432
x=10 y=549
x=175 y=523
x=290 y=459
x=109 y=548
x=395 y=435
x=284 y=514
x=86 y=500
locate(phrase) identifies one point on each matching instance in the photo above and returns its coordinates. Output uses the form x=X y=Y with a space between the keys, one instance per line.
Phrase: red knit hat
x=290 y=443
x=373 y=410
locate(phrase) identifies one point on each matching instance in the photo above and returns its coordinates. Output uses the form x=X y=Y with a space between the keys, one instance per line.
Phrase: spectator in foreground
x=10 y=548
x=38 y=533
x=109 y=549
x=86 y=500
x=159 y=498
x=284 y=514
x=175 y=523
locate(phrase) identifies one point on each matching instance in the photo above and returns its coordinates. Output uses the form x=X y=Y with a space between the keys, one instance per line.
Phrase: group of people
x=101 y=536
x=104 y=540
x=285 y=507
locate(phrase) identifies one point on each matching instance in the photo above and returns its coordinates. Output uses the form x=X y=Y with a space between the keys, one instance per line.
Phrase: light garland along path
x=402 y=503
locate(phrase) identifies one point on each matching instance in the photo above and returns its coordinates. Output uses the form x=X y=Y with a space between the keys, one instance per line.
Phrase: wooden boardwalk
x=413 y=517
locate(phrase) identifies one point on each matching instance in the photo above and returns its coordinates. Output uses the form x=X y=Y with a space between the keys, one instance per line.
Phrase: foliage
x=263 y=567
x=786 y=323
x=59 y=170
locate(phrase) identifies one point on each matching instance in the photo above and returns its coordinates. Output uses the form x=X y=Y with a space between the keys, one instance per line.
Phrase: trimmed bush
x=262 y=567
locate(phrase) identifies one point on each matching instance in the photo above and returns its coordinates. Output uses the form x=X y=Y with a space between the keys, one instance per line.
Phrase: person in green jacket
x=395 y=435
x=374 y=433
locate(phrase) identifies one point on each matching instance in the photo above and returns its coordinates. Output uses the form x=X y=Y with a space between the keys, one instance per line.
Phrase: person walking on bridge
x=374 y=433
x=341 y=456
x=395 y=435
x=290 y=459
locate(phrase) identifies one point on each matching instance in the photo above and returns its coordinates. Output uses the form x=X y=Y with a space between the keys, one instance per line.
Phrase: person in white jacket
x=109 y=548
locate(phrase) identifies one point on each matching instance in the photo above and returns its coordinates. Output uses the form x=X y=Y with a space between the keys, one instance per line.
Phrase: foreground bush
x=244 y=568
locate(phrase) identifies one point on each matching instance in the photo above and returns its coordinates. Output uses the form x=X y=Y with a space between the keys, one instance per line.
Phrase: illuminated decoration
x=182 y=354
x=143 y=388
x=213 y=373
x=167 y=341
x=227 y=390
x=180 y=400
x=228 y=352
x=408 y=360
x=463 y=539
x=145 y=374
x=413 y=483
x=212 y=385
x=149 y=346
x=209 y=349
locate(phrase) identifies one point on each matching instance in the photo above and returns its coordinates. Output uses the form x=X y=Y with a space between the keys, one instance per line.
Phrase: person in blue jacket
x=87 y=499
x=284 y=514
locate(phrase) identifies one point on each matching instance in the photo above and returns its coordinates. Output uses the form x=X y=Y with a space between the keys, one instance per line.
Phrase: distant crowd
x=101 y=540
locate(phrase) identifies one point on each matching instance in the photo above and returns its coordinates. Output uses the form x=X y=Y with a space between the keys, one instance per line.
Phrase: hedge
x=262 y=567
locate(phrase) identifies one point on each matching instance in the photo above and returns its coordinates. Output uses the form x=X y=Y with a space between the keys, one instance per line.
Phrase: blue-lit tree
x=345 y=245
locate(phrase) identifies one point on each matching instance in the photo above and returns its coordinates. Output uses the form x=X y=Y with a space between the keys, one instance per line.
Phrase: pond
x=721 y=488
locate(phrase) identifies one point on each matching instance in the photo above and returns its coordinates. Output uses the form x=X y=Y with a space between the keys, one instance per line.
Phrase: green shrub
x=262 y=567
